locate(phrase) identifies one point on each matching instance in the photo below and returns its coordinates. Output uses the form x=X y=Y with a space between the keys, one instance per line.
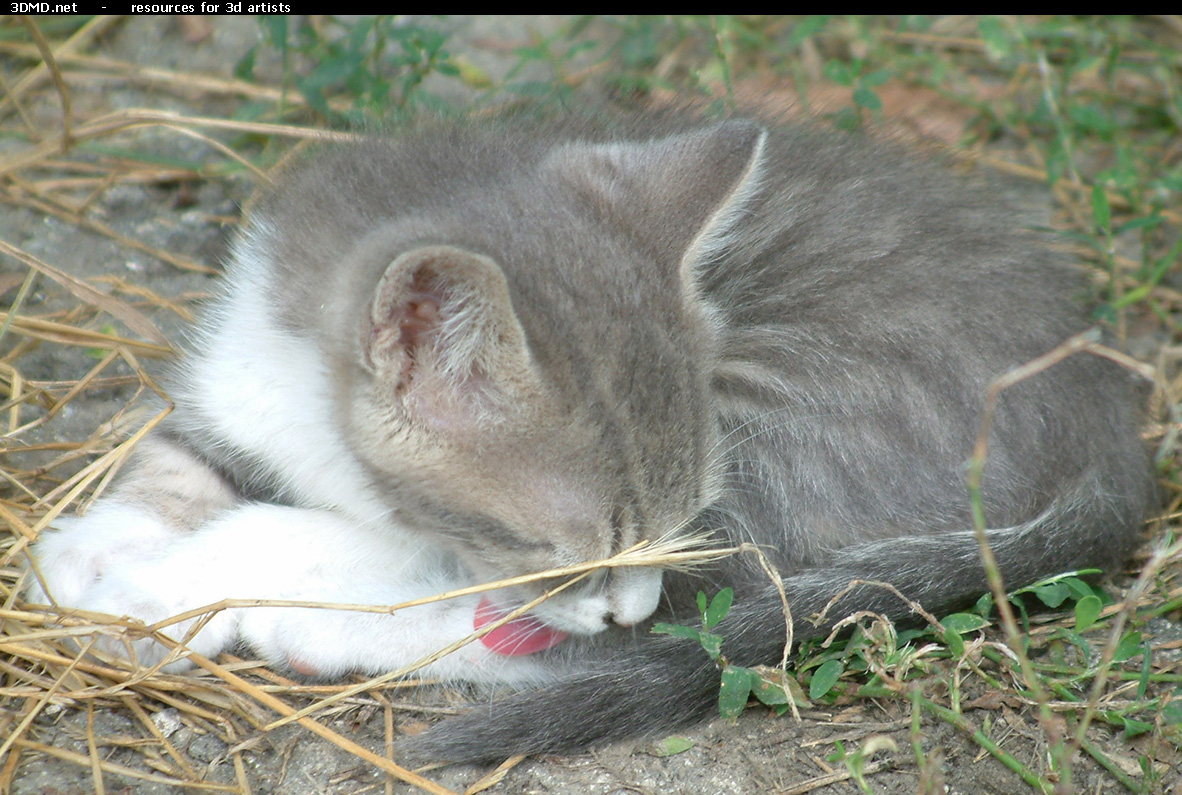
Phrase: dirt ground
x=192 y=217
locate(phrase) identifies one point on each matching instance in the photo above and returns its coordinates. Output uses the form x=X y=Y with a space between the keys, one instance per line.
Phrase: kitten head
x=530 y=372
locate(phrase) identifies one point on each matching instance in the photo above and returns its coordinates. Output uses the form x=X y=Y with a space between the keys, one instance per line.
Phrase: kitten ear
x=443 y=334
x=682 y=193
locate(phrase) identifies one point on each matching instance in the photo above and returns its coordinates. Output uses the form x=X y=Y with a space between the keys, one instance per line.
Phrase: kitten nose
x=623 y=620
x=633 y=595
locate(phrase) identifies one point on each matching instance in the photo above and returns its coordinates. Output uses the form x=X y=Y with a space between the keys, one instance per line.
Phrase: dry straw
x=48 y=660
x=49 y=655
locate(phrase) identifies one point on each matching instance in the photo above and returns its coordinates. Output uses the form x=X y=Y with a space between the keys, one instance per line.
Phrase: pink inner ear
x=422 y=314
x=420 y=305
x=417 y=314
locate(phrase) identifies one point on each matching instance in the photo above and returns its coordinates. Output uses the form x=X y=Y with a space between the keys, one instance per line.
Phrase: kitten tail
x=664 y=682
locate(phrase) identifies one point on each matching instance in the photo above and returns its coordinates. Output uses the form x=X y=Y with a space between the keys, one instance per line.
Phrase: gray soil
x=759 y=753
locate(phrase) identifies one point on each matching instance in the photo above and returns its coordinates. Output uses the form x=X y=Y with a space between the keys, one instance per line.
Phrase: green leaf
x=674 y=744
x=276 y=27
x=720 y=605
x=1165 y=262
x=1128 y=648
x=847 y=119
x=839 y=72
x=1087 y=610
x=1172 y=712
x=1138 y=223
x=314 y=96
x=954 y=641
x=769 y=693
x=1146 y=671
x=984 y=605
x=1052 y=594
x=735 y=690
x=997 y=42
x=1077 y=640
x=1084 y=240
x=1092 y=119
x=331 y=72
x=1017 y=601
x=866 y=98
x=1056 y=161
x=1100 y=209
x=711 y=643
x=252 y=111
x=964 y=622
x=825 y=677
x=1134 y=727
x=875 y=78
x=99 y=353
x=807 y=27
x=470 y=74
x=1079 y=589
x=677 y=631
x=1106 y=312
x=957 y=624
x=244 y=69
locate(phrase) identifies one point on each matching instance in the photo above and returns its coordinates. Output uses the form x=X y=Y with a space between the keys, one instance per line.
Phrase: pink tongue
x=524 y=635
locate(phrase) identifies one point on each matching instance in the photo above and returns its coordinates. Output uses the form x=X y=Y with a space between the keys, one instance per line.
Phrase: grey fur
x=782 y=339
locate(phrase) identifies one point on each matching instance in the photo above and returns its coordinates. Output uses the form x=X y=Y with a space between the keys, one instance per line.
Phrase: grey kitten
x=482 y=349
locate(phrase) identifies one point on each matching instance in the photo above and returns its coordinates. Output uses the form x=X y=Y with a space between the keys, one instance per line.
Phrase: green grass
x=1090 y=107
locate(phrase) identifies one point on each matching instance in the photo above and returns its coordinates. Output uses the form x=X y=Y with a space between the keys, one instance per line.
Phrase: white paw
x=120 y=559
x=330 y=643
x=153 y=593
x=76 y=551
x=311 y=641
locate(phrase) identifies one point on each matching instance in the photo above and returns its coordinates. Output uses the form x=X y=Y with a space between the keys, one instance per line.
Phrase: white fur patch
x=132 y=568
x=266 y=392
